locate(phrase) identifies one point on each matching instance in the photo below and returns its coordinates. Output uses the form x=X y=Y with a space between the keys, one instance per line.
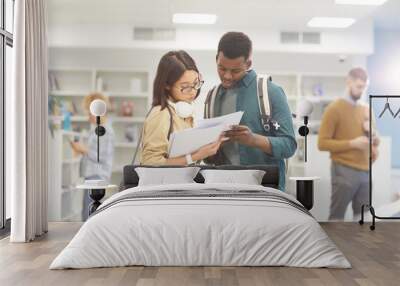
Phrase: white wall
x=147 y=59
x=112 y=45
x=355 y=40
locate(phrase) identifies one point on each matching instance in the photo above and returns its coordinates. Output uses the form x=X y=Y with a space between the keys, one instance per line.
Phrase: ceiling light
x=192 y=18
x=330 y=22
x=361 y=2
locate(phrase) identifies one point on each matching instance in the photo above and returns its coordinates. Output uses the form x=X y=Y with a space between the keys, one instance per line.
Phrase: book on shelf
x=53 y=82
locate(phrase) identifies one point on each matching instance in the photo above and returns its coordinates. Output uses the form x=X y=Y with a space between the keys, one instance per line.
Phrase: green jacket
x=283 y=140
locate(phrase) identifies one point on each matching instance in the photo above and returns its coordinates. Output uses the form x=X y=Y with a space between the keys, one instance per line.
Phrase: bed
x=201 y=224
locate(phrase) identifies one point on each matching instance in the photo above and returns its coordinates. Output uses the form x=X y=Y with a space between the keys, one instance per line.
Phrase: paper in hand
x=205 y=131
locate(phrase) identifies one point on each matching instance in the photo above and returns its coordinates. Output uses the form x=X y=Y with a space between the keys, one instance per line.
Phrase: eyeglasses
x=188 y=89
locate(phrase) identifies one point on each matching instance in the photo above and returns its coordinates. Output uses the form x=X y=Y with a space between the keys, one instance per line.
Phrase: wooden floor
x=375 y=257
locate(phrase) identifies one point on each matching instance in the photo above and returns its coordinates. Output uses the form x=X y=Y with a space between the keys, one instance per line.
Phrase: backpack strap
x=263 y=100
x=139 y=142
x=264 y=106
x=210 y=100
x=171 y=126
x=170 y=130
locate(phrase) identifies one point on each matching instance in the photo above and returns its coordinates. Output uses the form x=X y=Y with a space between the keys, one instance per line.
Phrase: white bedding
x=226 y=231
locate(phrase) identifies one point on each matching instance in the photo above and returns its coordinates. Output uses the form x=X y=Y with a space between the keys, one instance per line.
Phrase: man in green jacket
x=249 y=142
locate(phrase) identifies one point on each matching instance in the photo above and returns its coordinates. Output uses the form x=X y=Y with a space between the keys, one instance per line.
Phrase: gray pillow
x=248 y=177
x=166 y=176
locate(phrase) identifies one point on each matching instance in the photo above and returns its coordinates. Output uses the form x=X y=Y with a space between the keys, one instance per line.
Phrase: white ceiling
x=388 y=16
x=280 y=14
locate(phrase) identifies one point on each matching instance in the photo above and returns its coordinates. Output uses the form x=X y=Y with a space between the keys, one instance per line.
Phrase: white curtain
x=27 y=123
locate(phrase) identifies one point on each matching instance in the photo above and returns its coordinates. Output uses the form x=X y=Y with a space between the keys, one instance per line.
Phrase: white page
x=190 y=140
x=229 y=119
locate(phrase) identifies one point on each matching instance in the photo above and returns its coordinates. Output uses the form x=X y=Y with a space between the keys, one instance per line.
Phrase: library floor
x=374 y=255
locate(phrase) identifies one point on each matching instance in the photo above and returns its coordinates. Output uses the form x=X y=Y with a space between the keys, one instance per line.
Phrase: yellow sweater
x=342 y=122
x=154 y=148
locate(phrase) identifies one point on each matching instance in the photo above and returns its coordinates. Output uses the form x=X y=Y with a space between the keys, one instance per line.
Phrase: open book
x=205 y=131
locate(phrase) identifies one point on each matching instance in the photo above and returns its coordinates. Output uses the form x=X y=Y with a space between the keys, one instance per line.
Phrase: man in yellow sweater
x=343 y=134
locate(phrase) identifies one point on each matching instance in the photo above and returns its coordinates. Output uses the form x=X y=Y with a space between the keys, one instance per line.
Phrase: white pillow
x=166 y=176
x=248 y=177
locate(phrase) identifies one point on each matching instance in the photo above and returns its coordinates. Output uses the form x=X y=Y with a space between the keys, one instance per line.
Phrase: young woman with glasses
x=177 y=84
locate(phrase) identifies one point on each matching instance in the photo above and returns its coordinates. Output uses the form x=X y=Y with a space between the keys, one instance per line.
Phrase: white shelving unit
x=63 y=201
x=69 y=86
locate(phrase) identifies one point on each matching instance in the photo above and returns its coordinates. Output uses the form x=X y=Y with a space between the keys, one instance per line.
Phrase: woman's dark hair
x=170 y=69
x=234 y=45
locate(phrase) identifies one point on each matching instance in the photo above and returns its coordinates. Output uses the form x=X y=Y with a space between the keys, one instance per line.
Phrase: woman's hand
x=209 y=149
x=79 y=147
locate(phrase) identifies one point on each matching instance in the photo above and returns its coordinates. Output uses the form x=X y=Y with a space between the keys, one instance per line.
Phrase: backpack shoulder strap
x=139 y=143
x=262 y=95
x=263 y=103
x=171 y=125
x=209 y=103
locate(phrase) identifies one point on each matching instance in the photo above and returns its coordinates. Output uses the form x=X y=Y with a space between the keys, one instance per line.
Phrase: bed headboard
x=270 y=179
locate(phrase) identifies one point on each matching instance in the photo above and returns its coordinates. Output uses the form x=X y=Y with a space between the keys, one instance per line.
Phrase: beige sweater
x=154 y=148
x=341 y=123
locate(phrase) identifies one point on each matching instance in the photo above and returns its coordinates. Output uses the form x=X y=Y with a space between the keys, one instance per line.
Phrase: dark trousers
x=87 y=200
x=348 y=185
